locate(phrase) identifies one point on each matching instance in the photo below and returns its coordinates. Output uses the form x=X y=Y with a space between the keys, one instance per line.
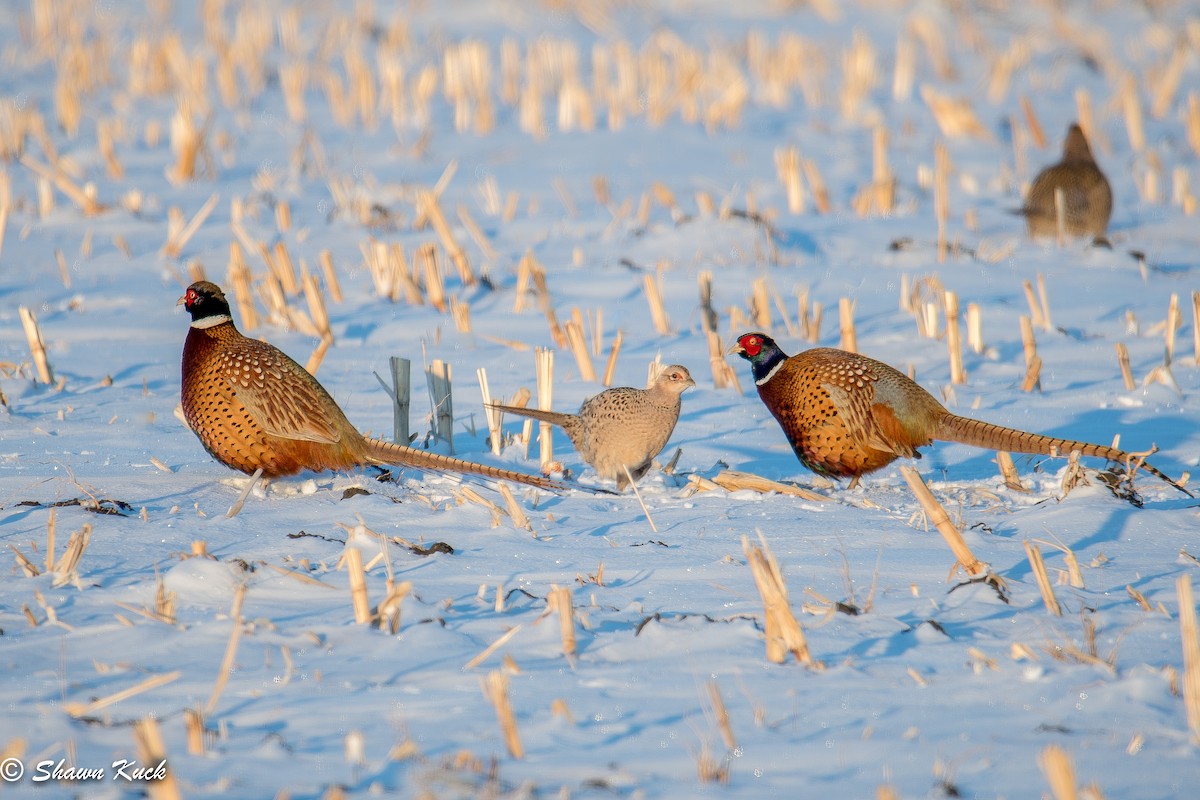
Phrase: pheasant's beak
x=735 y=348
x=181 y=301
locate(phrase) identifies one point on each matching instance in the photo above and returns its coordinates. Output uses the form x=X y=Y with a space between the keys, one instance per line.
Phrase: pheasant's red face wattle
x=751 y=344
x=190 y=299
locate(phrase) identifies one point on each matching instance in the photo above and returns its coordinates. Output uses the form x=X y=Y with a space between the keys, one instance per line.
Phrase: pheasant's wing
x=875 y=423
x=280 y=395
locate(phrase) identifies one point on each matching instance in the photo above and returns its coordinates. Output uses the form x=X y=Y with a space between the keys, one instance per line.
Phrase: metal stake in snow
x=439 y=379
x=400 y=391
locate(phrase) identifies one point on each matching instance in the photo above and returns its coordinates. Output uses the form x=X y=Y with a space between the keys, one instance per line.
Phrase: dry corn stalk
x=733 y=481
x=1174 y=320
x=193 y=721
x=426 y=263
x=388 y=610
x=787 y=168
x=519 y=518
x=495 y=689
x=36 y=347
x=1126 y=370
x=1060 y=772
x=330 y=273
x=760 y=304
x=1033 y=362
x=1009 y=471
x=1043 y=580
x=1190 y=633
x=578 y=341
x=84 y=197
x=941 y=196
x=153 y=682
x=66 y=570
x=658 y=313
x=849 y=341
x=188 y=144
x=231 y=648
x=152 y=757
x=783 y=632
x=280 y=263
x=316 y=306
x=610 y=366
x=954 y=115
x=490 y=415
x=954 y=339
x=439 y=377
x=941 y=520
x=721 y=715
x=358 y=585
x=562 y=604
x=716 y=359
x=545 y=389
x=240 y=279
x=433 y=211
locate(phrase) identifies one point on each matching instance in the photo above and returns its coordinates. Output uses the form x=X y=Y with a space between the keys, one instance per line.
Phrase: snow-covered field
x=238 y=634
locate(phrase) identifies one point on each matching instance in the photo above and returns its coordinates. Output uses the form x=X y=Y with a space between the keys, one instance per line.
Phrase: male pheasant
x=254 y=408
x=623 y=428
x=1087 y=197
x=846 y=415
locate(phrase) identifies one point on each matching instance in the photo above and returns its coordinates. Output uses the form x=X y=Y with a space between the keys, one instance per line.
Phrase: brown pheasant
x=623 y=428
x=254 y=408
x=1087 y=197
x=846 y=415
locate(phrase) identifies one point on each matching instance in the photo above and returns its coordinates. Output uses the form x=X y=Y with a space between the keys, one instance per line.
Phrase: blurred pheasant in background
x=254 y=408
x=846 y=415
x=1086 y=196
x=621 y=430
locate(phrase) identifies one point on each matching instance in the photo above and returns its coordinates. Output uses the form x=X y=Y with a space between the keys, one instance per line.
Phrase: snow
x=936 y=688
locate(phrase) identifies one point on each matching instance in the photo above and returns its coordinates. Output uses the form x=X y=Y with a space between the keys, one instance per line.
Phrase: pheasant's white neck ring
x=213 y=321
x=763 y=380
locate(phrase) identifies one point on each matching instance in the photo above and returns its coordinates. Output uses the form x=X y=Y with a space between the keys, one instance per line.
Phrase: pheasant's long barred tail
x=399 y=455
x=978 y=433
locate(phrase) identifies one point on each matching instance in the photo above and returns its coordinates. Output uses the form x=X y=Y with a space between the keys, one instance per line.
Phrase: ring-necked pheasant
x=621 y=428
x=1087 y=197
x=846 y=415
x=254 y=408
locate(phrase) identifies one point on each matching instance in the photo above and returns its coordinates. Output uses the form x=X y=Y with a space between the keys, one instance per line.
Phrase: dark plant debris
x=994 y=581
x=306 y=535
x=102 y=505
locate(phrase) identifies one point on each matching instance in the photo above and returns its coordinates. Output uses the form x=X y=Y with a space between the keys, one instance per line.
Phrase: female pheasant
x=1087 y=196
x=254 y=408
x=623 y=428
x=846 y=415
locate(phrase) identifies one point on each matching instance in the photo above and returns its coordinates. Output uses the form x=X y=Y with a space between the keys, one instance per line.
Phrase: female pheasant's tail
x=383 y=452
x=553 y=417
x=572 y=424
x=977 y=433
